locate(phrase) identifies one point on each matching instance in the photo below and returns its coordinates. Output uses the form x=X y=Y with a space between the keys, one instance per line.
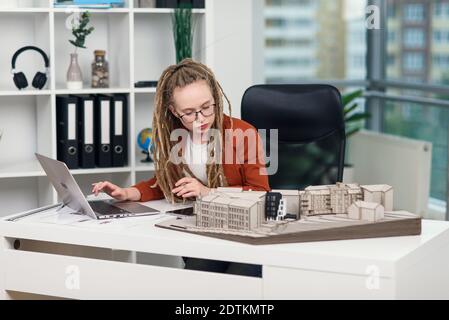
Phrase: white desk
x=76 y=262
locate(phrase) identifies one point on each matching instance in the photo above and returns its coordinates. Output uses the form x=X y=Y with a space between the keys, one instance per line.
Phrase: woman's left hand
x=190 y=187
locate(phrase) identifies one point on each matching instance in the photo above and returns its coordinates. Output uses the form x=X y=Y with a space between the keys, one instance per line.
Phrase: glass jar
x=100 y=70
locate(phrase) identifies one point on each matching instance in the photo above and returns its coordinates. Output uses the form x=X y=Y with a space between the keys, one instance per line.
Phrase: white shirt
x=195 y=156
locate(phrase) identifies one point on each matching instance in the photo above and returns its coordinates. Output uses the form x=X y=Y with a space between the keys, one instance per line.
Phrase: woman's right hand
x=111 y=189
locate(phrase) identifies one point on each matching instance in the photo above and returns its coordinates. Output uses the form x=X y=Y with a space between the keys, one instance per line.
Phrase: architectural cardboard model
x=292 y=198
x=382 y=194
x=231 y=210
x=368 y=211
x=234 y=209
x=318 y=213
x=330 y=199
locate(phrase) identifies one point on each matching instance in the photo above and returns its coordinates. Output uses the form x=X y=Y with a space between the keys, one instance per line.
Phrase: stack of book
x=92 y=4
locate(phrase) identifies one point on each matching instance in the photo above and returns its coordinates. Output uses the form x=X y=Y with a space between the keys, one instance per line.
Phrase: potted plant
x=80 y=31
x=354 y=121
x=182 y=32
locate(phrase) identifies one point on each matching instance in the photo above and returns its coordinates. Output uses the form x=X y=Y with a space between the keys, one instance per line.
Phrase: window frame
x=376 y=82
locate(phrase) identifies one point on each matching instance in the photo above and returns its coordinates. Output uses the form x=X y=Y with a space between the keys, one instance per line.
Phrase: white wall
x=234 y=46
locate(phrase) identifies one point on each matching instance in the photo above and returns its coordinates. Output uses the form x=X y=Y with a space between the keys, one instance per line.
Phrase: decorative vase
x=74 y=75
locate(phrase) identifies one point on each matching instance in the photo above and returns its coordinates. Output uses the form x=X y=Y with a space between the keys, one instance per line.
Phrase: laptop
x=69 y=191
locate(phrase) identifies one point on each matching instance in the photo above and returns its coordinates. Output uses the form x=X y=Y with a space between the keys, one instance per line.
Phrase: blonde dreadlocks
x=164 y=122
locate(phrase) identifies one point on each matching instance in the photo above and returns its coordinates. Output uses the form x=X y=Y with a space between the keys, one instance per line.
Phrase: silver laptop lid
x=65 y=185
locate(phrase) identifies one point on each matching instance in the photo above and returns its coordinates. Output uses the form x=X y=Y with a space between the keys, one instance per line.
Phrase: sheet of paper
x=68 y=217
x=117 y=224
x=64 y=218
x=164 y=205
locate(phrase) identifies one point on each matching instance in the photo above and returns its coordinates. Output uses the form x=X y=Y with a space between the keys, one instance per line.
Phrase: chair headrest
x=301 y=113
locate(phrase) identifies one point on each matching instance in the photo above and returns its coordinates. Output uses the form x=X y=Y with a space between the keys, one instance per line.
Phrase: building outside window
x=414 y=12
x=417 y=52
x=414 y=38
x=413 y=61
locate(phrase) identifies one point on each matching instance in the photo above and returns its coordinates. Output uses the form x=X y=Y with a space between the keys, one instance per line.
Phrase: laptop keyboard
x=105 y=208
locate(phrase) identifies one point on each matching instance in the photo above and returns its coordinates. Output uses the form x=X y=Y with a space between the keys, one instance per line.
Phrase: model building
x=235 y=210
x=317 y=213
x=369 y=211
x=230 y=208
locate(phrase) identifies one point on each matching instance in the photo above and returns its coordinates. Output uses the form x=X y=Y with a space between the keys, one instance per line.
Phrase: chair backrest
x=311 y=132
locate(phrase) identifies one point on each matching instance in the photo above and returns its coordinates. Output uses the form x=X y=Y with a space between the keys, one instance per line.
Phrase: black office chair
x=311 y=131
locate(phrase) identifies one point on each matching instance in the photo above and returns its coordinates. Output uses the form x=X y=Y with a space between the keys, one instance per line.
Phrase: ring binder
x=67 y=131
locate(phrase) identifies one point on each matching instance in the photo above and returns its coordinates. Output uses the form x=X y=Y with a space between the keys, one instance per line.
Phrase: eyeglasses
x=191 y=116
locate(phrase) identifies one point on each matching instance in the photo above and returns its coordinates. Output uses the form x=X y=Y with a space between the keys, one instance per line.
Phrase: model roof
x=366 y=205
x=377 y=187
x=243 y=203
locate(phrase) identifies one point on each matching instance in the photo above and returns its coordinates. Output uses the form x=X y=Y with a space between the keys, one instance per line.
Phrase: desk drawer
x=85 y=278
x=286 y=283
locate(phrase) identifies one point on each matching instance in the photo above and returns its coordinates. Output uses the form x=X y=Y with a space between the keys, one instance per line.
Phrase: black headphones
x=19 y=78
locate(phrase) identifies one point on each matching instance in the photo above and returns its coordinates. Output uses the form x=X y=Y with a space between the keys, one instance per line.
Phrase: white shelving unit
x=139 y=46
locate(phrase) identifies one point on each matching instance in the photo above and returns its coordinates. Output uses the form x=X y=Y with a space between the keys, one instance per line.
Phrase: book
x=70 y=5
x=89 y=4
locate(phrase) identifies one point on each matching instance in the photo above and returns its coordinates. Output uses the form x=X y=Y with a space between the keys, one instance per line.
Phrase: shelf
x=62 y=91
x=32 y=168
x=122 y=179
x=93 y=91
x=164 y=10
x=139 y=46
x=24 y=93
x=26 y=122
x=24 y=10
x=153 y=29
x=111 y=33
x=144 y=90
x=111 y=10
x=99 y=170
x=140 y=167
x=22 y=194
x=22 y=27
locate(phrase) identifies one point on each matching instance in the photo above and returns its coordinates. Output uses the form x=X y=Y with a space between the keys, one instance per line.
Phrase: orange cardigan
x=246 y=174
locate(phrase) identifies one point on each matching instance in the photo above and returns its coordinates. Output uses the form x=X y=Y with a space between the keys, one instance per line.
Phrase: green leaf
x=80 y=31
x=352 y=131
x=182 y=33
x=348 y=110
x=358 y=117
x=348 y=98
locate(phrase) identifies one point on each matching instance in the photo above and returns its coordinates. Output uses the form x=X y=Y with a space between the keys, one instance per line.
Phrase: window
x=437 y=36
x=275 y=3
x=423 y=122
x=391 y=59
x=391 y=10
x=414 y=12
x=313 y=39
x=413 y=61
x=391 y=36
x=440 y=61
x=414 y=38
x=358 y=61
x=320 y=42
x=275 y=23
x=438 y=9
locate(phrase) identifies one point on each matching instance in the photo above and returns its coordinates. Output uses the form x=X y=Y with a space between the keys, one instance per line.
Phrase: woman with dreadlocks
x=188 y=97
